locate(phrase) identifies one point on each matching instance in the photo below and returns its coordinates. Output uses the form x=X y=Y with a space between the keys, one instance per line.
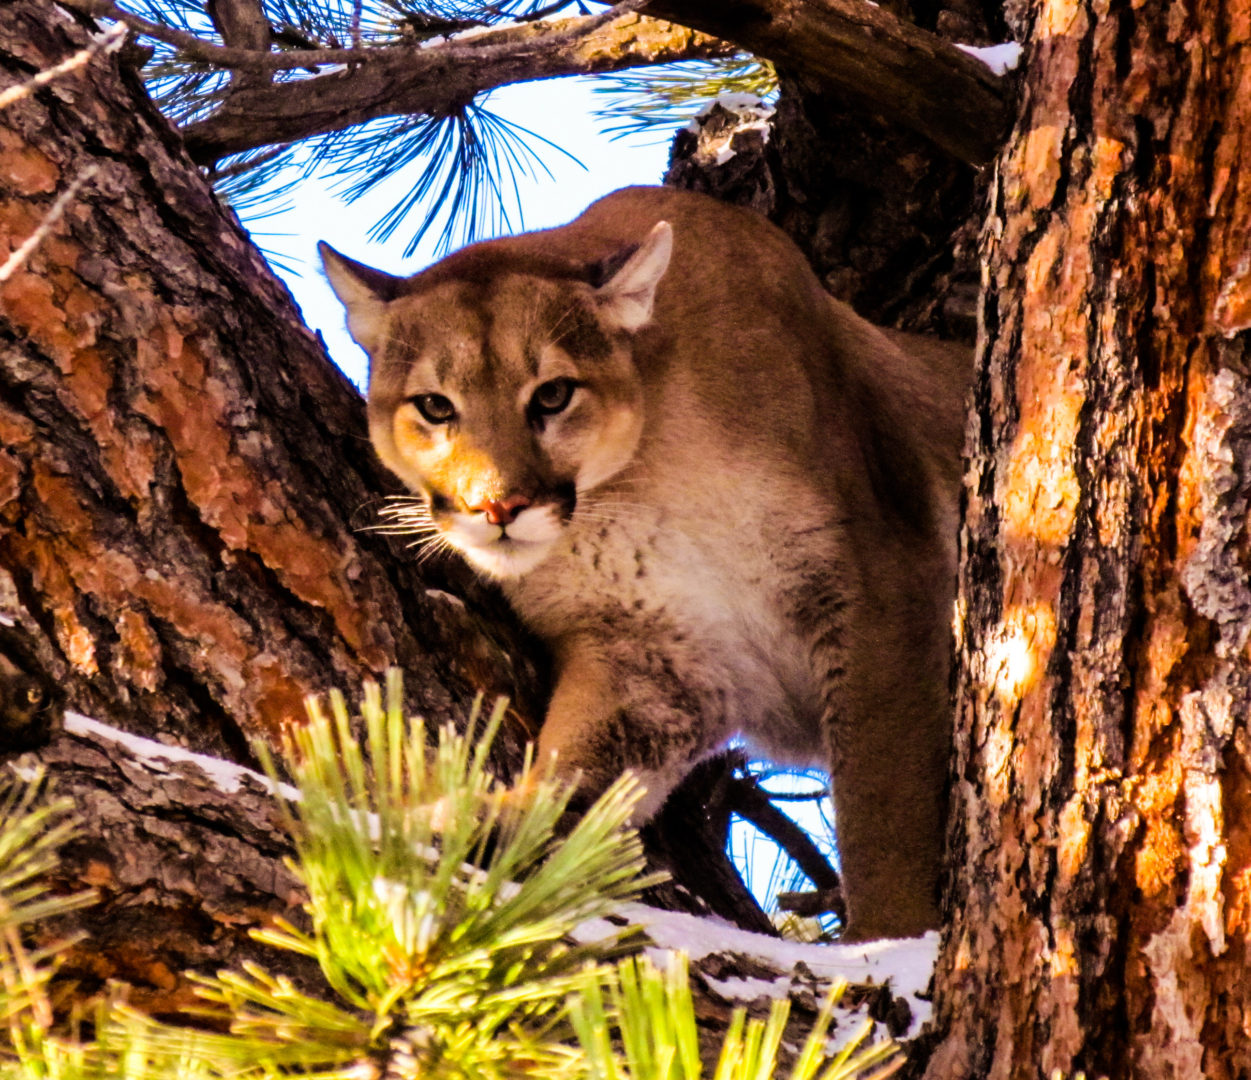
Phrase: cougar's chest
x=708 y=599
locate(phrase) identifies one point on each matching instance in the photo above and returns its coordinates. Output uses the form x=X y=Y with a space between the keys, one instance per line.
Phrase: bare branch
x=489 y=45
x=746 y=799
x=15 y=261
x=889 y=66
x=110 y=40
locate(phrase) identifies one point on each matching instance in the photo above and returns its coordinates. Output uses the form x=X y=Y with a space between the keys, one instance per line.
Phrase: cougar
x=726 y=502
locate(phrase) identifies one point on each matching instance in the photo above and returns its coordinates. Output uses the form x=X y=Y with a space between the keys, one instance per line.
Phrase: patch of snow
x=999 y=58
x=468 y=33
x=478 y=31
x=907 y=963
x=225 y=775
x=734 y=101
x=28 y=774
x=754 y=114
x=110 y=36
x=737 y=989
x=69 y=16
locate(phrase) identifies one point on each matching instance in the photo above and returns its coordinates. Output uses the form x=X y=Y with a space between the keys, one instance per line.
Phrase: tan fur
x=743 y=521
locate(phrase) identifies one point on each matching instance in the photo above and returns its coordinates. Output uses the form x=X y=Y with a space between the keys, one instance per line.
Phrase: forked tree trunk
x=1101 y=901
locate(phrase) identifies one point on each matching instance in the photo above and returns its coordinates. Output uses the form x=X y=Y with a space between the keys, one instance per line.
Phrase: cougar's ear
x=626 y=298
x=364 y=291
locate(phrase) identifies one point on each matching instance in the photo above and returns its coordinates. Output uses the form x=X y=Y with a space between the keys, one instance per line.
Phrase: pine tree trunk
x=186 y=500
x=1099 y=909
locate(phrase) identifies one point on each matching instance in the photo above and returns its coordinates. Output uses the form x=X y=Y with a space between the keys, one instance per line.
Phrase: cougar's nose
x=502 y=511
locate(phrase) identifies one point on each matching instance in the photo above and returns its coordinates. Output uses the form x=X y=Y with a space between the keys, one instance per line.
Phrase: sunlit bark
x=1101 y=910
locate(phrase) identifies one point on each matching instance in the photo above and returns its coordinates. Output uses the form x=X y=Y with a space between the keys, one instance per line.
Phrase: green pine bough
x=441 y=907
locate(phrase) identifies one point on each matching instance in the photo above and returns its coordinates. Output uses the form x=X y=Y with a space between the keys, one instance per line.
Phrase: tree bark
x=187 y=502
x=887 y=220
x=205 y=855
x=1099 y=902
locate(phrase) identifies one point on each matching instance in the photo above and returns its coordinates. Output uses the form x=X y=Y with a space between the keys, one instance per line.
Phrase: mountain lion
x=726 y=502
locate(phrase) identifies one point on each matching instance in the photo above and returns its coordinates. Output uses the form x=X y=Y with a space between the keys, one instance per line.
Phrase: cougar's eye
x=552 y=396
x=435 y=408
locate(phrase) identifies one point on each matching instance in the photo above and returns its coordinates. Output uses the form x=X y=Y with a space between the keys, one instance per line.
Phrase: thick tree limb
x=893 y=68
x=434 y=82
x=187 y=854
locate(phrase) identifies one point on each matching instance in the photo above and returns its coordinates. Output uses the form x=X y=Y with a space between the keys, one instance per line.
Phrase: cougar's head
x=502 y=386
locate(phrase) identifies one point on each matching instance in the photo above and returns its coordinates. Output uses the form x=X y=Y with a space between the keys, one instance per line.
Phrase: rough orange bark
x=185 y=477
x=1101 y=857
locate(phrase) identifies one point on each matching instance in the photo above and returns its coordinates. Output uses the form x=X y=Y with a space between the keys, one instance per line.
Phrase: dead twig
x=109 y=41
x=14 y=261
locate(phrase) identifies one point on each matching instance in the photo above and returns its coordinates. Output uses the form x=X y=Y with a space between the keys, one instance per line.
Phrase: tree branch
x=436 y=80
x=889 y=66
x=746 y=799
x=186 y=853
x=489 y=45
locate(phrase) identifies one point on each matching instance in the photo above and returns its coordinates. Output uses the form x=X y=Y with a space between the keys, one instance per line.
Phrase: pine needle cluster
x=441 y=912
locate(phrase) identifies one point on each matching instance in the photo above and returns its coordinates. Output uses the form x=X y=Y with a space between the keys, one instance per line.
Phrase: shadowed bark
x=886 y=65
